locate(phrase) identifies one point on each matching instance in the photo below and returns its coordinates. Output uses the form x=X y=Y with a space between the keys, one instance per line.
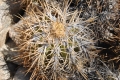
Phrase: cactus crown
x=58 y=30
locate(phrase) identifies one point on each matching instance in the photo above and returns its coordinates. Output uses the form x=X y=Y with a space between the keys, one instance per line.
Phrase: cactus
x=56 y=40
x=53 y=41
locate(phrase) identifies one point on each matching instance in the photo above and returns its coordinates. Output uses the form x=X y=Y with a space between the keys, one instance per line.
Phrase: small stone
x=21 y=75
x=3 y=34
x=10 y=51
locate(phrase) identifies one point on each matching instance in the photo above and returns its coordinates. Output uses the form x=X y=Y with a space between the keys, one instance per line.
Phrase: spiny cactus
x=53 y=41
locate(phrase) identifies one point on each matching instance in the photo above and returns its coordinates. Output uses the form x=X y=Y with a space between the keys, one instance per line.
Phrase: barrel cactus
x=53 y=41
